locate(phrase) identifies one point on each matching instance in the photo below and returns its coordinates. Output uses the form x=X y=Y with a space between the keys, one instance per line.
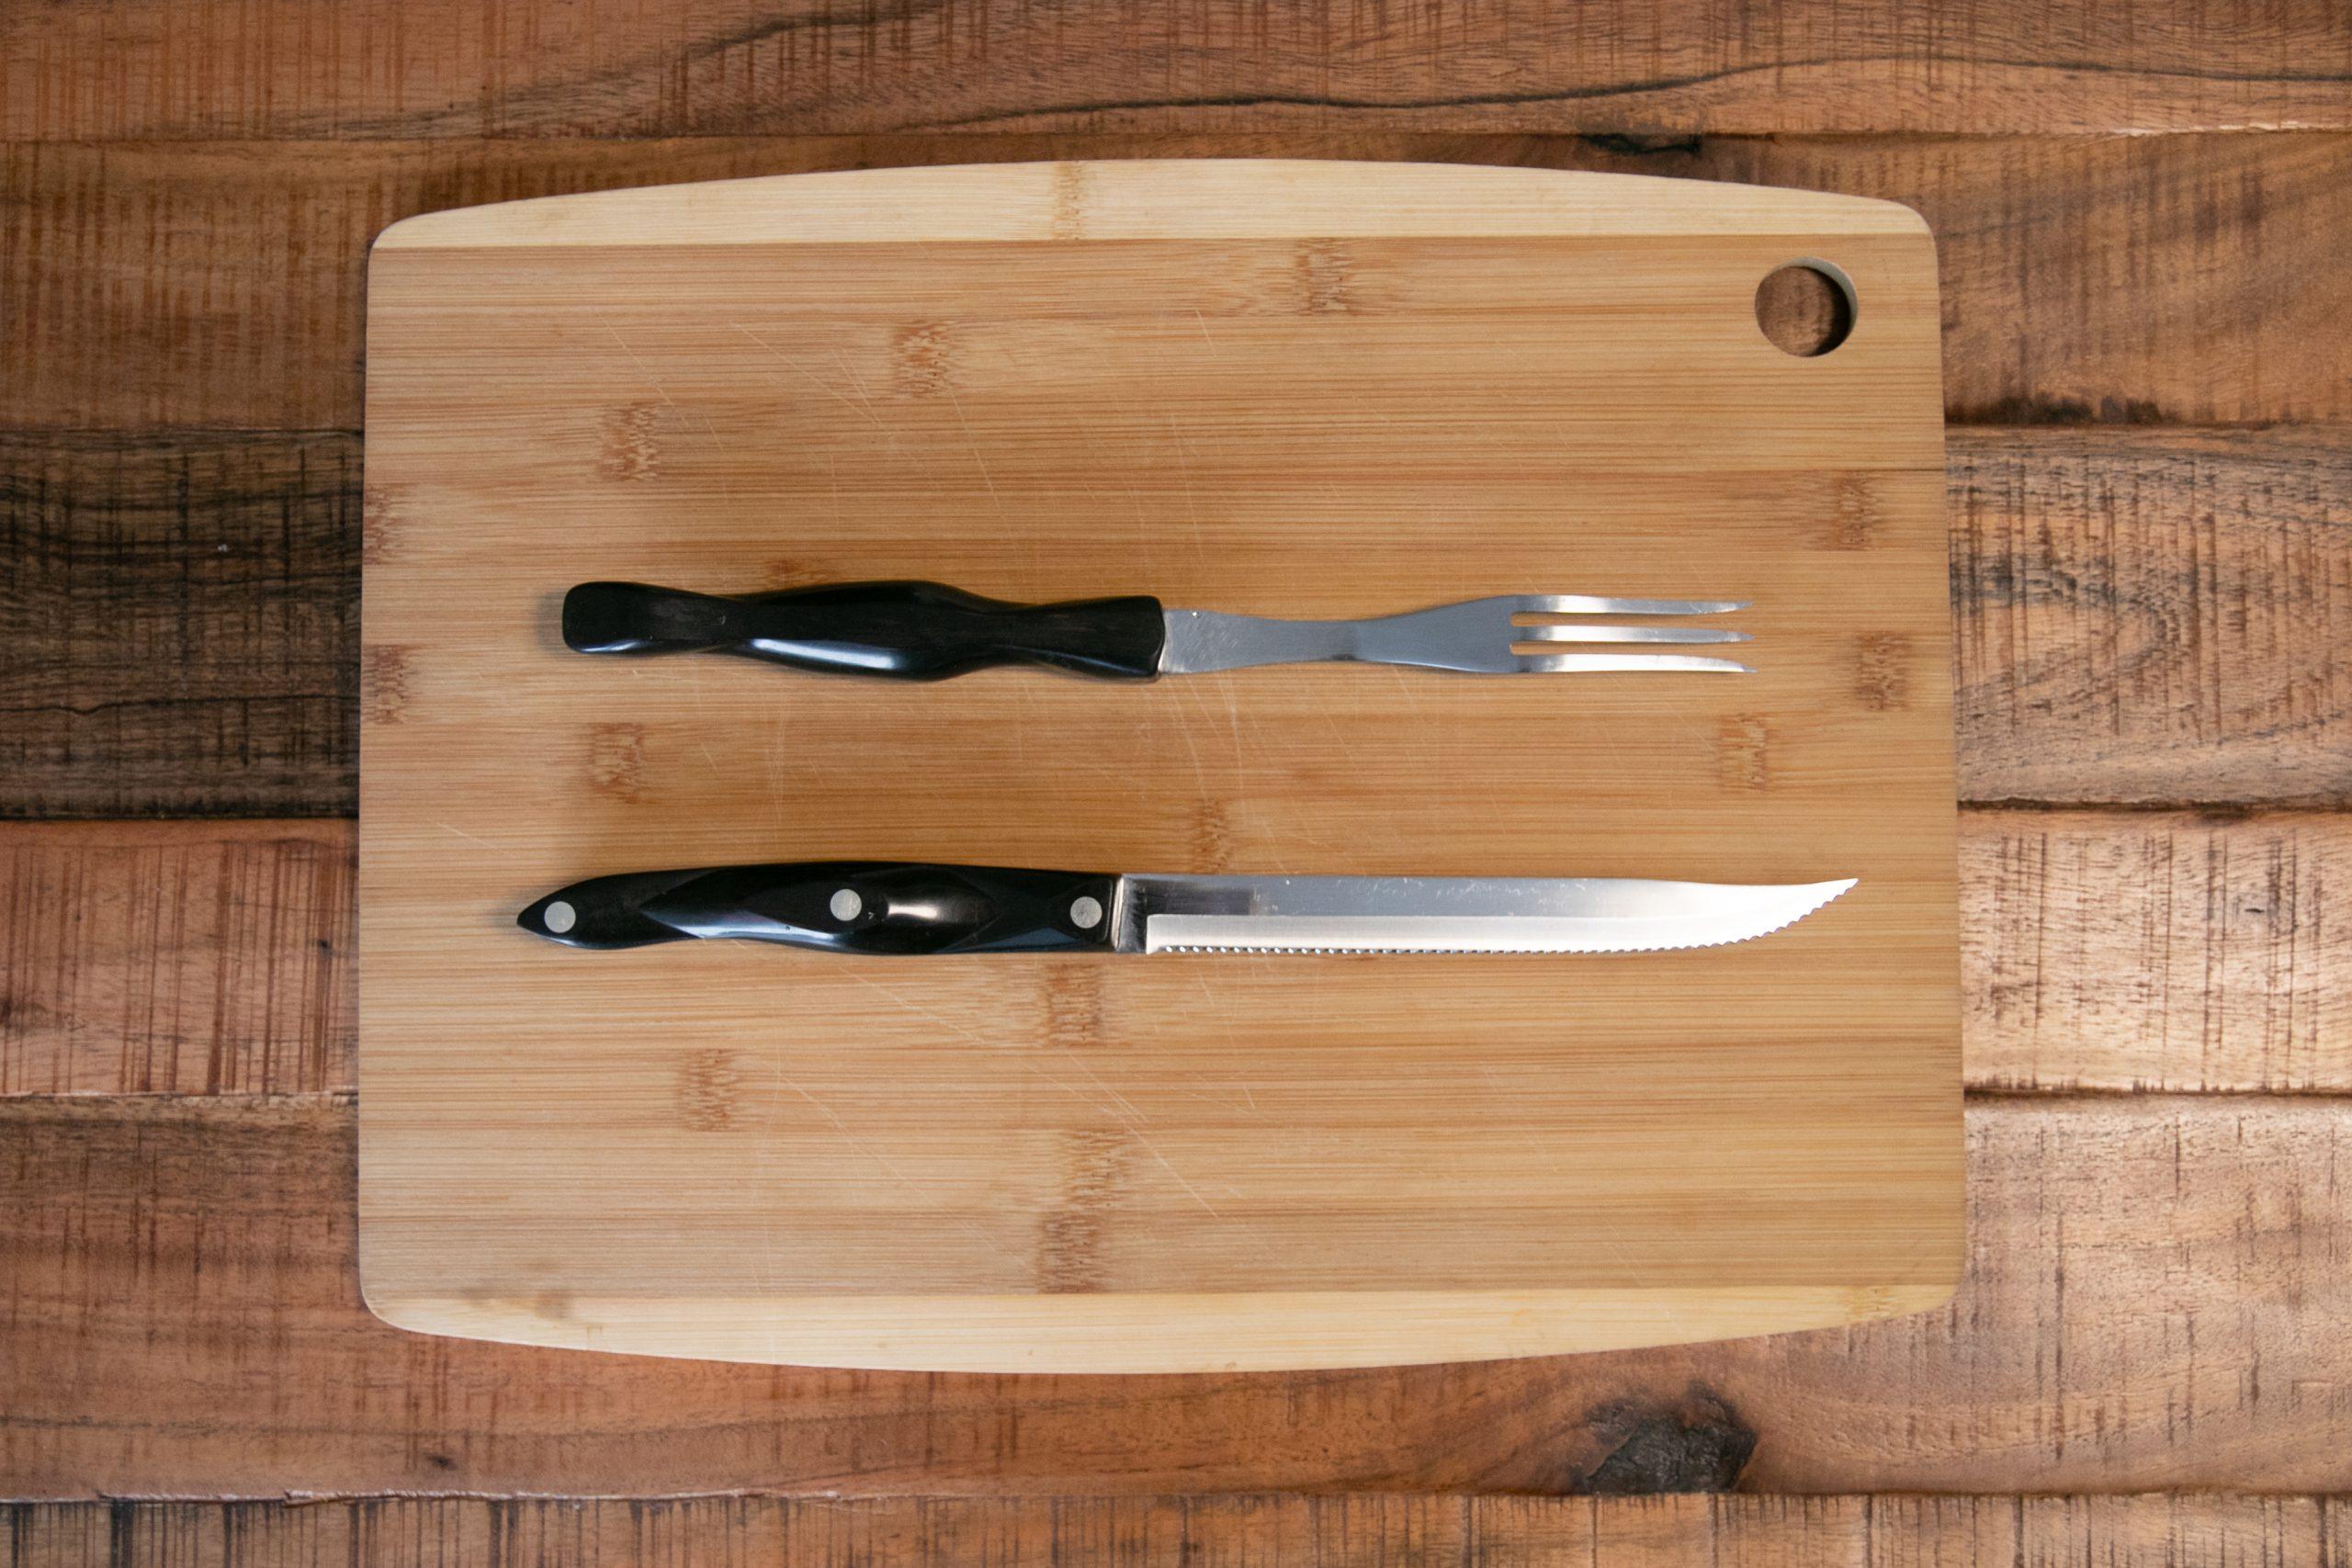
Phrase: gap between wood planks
x=2101 y=952
x=2153 y=1297
x=2143 y=617
x=2140 y=613
x=379 y=68
x=1332 y=1531
x=2187 y=279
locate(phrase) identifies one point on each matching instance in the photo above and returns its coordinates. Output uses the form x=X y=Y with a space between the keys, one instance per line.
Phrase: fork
x=927 y=631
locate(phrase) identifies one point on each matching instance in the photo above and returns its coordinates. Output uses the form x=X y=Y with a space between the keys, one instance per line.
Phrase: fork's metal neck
x=1200 y=640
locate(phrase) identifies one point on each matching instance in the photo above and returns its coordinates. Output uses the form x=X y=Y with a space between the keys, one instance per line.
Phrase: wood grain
x=2155 y=951
x=2087 y=282
x=2145 y=616
x=2155 y=1298
x=180 y=619
x=1281 y=388
x=2106 y=951
x=146 y=68
x=176 y=958
x=2155 y=617
x=2137 y=280
x=1143 y=1532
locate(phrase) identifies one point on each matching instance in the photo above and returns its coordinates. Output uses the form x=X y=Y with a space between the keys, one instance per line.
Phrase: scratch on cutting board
x=635 y=358
x=1185 y=473
x=1132 y=1119
x=662 y=391
x=1129 y=1113
x=930 y=1204
x=1192 y=746
x=1225 y=688
x=779 y=767
x=1218 y=1100
x=972 y=441
x=1079 y=1095
x=1549 y=1152
x=1016 y=723
x=1121 y=1101
x=921 y=1011
x=1338 y=731
x=857 y=383
x=1153 y=1150
x=1119 y=1109
x=692 y=672
x=1225 y=1022
x=1414 y=692
x=768 y=1239
x=814 y=379
x=468 y=837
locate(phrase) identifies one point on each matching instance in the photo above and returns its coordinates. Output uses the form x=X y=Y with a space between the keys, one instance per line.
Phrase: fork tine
x=1603 y=664
x=1588 y=633
x=1593 y=605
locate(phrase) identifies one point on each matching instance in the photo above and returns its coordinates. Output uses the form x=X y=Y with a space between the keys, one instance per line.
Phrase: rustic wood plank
x=2146 y=617
x=2154 y=1299
x=176 y=958
x=2106 y=951
x=181 y=619
x=1139 y=1532
x=2153 y=616
x=437 y=67
x=2183 y=278
x=2157 y=951
x=1134 y=1532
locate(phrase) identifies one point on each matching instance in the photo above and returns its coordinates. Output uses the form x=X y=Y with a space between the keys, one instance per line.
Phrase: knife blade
x=898 y=908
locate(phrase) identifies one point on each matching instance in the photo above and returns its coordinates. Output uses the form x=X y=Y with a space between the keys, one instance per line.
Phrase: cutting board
x=1290 y=389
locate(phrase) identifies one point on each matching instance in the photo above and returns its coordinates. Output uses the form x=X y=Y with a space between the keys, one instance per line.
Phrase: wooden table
x=2148 y=374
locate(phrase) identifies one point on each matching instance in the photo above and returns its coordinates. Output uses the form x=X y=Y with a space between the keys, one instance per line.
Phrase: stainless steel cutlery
x=925 y=631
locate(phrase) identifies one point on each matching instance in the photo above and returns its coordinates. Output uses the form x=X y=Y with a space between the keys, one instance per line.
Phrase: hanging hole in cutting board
x=1806 y=308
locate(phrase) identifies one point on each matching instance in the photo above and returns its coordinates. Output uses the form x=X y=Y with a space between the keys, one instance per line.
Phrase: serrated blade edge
x=1626 y=917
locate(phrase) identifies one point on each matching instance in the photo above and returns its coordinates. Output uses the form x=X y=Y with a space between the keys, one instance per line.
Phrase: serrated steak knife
x=898 y=908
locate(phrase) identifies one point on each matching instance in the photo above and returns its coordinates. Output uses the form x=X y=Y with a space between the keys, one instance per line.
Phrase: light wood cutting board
x=1281 y=387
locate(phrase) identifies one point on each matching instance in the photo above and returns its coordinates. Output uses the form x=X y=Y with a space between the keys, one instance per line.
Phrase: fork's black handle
x=913 y=631
x=888 y=908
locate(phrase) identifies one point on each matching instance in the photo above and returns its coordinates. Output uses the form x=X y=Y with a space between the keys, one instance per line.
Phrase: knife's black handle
x=884 y=908
x=913 y=631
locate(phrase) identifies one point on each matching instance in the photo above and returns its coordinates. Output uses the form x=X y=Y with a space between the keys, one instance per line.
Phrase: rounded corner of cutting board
x=1155 y=1335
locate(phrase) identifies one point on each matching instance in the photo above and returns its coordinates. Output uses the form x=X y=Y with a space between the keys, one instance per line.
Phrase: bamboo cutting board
x=1289 y=389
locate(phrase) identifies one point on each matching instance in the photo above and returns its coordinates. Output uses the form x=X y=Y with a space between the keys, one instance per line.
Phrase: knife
x=898 y=909
x=927 y=631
